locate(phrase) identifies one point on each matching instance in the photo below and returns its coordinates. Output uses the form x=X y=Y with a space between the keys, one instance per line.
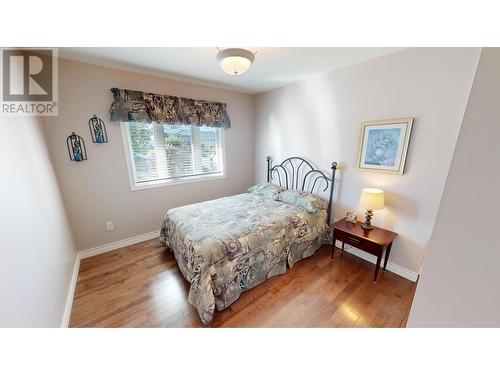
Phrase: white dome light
x=235 y=61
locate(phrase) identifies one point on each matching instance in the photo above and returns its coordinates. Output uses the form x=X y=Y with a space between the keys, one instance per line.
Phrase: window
x=163 y=154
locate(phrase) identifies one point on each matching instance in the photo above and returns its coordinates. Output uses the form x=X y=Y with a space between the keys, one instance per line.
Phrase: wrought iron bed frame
x=309 y=175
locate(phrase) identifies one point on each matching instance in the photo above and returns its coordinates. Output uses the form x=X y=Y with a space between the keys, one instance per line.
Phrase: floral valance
x=141 y=106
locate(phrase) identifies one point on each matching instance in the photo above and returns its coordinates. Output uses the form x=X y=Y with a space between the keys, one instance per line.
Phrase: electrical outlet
x=110 y=225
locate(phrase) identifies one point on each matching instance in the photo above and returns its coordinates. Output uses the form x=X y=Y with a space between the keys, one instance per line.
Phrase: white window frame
x=134 y=186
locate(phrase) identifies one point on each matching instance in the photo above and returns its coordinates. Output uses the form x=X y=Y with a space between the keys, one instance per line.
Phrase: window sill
x=174 y=181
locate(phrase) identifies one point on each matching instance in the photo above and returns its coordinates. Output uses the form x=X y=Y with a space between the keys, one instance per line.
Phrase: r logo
x=29 y=82
x=27 y=75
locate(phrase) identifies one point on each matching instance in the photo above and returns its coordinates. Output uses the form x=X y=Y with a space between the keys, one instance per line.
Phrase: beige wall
x=37 y=252
x=321 y=118
x=98 y=189
x=460 y=283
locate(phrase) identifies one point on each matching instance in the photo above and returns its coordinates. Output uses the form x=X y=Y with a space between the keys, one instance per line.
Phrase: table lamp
x=371 y=199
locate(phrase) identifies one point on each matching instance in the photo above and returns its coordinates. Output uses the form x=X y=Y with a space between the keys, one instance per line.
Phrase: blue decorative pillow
x=304 y=200
x=267 y=190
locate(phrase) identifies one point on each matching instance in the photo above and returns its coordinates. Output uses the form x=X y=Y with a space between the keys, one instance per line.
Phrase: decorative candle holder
x=76 y=148
x=98 y=130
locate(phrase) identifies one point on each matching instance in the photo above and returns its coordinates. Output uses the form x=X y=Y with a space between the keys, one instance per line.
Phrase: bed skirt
x=215 y=289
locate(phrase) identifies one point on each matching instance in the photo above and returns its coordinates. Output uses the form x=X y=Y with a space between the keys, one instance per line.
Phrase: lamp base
x=367 y=225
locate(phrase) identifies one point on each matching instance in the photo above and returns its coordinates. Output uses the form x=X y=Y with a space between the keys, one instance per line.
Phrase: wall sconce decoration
x=98 y=130
x=76 y=147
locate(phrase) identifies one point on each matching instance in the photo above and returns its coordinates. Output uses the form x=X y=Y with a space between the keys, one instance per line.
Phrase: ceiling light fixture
x=235 y=61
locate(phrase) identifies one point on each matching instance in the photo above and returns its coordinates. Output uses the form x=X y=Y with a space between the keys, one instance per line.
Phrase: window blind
x=161 y=152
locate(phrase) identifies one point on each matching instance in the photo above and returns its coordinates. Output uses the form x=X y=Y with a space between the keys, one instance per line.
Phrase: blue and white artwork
x=384 y=145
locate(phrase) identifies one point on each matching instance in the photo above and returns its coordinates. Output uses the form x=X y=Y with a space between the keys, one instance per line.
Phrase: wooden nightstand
x=374 y=241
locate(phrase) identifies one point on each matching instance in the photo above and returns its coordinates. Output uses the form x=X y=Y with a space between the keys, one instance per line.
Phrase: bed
x=231 y=244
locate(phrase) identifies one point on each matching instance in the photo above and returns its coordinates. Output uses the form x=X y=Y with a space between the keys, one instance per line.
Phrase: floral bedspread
x=228 y=245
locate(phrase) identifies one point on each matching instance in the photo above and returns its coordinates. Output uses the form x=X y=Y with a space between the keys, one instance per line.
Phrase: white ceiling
x=273 y=66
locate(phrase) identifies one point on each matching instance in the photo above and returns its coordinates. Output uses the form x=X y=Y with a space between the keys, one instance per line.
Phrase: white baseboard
x=118 y=244
x=71 y=293
x=398 y=270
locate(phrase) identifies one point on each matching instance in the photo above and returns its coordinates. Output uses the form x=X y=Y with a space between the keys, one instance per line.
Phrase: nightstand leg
x=342 y=253
x=377 y=267
x=387 y=253
x=333 y=245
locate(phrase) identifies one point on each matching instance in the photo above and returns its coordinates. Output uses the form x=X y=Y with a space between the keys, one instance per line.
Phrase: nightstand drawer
x=360 y=243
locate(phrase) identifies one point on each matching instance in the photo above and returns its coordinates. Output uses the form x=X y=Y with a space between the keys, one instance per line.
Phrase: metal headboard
x=297 y=173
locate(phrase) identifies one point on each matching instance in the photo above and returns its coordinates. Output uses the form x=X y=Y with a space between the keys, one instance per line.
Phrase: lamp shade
x=372 y=198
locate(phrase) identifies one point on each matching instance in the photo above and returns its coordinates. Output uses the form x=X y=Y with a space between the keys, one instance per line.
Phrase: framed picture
x=384 y=144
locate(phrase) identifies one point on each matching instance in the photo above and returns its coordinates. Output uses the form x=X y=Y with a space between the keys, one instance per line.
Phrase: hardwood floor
x=141 y=286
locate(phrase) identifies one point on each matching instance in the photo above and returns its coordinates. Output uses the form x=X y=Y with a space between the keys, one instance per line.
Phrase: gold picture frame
x=383 y=145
